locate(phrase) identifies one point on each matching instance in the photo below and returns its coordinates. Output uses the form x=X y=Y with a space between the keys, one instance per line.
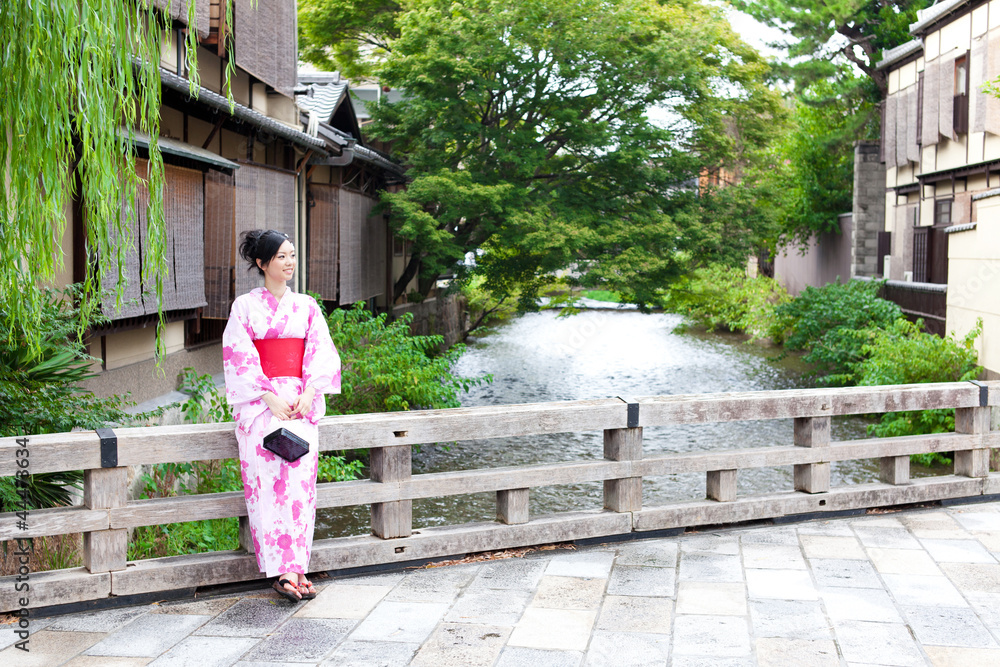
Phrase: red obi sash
x=281 y=357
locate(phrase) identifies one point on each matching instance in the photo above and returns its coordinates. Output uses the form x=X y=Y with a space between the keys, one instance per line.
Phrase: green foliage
x=348 y=37
x=486 y=307
x=206 y=403
x=526 y=127
x=333 y=468
x=602 y=295
x=386 y=368
x=723 y=297
x=833 y=324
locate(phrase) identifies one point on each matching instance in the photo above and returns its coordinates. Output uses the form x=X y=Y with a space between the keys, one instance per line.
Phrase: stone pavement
x=901 y=588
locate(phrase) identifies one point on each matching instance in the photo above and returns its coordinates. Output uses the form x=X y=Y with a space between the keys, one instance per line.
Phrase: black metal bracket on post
x=633 y=411
x=109 y=448
x=984 y=393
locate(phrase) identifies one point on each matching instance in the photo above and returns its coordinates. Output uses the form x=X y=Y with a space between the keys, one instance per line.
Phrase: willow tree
x=77 y=78
x=544 y=134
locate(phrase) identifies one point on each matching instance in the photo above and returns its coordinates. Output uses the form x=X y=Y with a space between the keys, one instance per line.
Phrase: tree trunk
x=411 y=270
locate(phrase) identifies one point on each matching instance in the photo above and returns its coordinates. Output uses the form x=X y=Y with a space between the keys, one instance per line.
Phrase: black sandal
x=279 y=586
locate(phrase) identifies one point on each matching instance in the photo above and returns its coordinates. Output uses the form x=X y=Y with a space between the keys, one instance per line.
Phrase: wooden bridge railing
x=107 y=514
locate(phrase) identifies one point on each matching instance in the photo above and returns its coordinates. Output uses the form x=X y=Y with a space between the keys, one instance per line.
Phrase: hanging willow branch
x=77 y=78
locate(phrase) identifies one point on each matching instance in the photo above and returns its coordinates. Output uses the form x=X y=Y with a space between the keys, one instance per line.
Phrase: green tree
x=526 y=127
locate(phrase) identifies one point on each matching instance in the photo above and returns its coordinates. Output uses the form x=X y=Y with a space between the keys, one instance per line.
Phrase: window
x=961 y=100
x=942 y=212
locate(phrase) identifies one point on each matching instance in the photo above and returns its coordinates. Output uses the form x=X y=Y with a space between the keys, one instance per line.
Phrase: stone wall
x=826 y=259
x=444 y=316
x=868 y=208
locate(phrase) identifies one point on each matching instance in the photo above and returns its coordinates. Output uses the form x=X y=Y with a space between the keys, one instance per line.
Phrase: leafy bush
x=833 y=324
x=903 y=354
x=386 y=368
x=725 y=297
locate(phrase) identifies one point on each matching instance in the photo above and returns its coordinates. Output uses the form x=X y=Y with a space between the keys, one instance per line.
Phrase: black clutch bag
x=286 y=444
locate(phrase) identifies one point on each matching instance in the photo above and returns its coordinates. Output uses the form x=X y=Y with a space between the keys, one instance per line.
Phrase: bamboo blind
x=184 y=213
x=991 y=115
x=266 y=41
x=946 y=95
x=932 y=84
x=265 y=199
x=323 y=240
x=134 y=222
x=178 y=10
x=362 y=248
x=220 y=201
x=889 y=130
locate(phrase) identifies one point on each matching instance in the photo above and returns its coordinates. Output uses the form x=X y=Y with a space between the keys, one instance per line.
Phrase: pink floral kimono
x=280 y=496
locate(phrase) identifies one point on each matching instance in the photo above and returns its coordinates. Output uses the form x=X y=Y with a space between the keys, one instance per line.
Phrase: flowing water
x=598 y=354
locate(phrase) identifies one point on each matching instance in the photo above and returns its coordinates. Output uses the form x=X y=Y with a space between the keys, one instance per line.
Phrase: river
x=602 y=353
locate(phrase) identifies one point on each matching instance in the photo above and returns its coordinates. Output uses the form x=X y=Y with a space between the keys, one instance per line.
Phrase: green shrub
x=833 y=324
x=725 y=297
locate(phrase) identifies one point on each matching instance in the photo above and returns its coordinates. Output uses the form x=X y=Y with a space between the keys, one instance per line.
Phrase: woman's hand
x=279 y=408
x=304 y=402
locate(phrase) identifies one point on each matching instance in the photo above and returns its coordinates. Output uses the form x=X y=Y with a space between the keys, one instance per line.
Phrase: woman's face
x=282 y=265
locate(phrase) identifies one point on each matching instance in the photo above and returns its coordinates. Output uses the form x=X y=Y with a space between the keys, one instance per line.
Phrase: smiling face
x=280 y=268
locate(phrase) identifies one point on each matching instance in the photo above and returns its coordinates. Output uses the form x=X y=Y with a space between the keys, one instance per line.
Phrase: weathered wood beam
x=512 y=506
x=720 y=485
x=812 y=432
x=973 y=462
x=104 y=489
x=623 y=494
x=390 y=465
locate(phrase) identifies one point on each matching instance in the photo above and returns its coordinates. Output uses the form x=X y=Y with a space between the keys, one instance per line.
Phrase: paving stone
x=636 y=614
x=977 y=521
x=721 y=568
x=779 y=536
x=711 y=544
x=859 y=604
x=440 y=584
x=939 y=525
x=780 y=584
x=908 y=589
x=950 y=656
x=518 y=656
x=781 y=652
x=649 y=553
x=250 y=617
x=903 y=561
x=948 y=626
x=380 y=579
x=371 y=654
x=511 y=574
x=831 y=527
x=703 y=661
x=462 y=645
x=775 y=557
x=105 y=661
x=877 y=643
x=844 y=573
x=205 y=652
x=590 y=564
x=489 y=607
x=343 y=601
x=8 y=638
x=627 y=649
x=557 y=629
x=569 y=593
x=645 y=581
x=989 y=540
x=106 y=620
x=711 y=636
x=830 y=546
x=207 y=607
x=302 y=640
x=148 y=636
x=400 y=622
x=978 y=577
x=700 y=597
x=886 y=537
x=957 y=551
x=987 y=605
x=46 y=648
x=789 y=618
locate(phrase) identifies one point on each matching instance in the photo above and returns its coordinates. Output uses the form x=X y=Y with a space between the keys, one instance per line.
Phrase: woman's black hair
x=261 y=244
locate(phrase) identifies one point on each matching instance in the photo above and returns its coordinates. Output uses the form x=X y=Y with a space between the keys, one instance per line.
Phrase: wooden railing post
x=512 y=506
x=812 y=432
x=973 y=462
x=894 y=469
x=392 y=519
x=246 y=535
x=623 y=444
x=721 y=485
x=105 y=488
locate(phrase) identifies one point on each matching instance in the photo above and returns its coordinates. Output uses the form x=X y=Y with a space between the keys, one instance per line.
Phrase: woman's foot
x=306 y=589
x=287 y=586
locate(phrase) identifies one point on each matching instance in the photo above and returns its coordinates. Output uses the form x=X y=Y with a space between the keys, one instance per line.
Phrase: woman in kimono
x=279 y=361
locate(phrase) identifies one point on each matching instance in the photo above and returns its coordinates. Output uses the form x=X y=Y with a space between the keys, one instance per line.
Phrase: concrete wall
x=444 y=316
x=974 y=280
x=826 y=258
x=144 y=382
x=868 y=209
